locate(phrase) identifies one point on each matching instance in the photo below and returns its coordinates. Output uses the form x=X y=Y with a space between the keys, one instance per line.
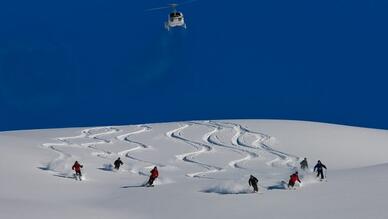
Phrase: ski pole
x=326 y=174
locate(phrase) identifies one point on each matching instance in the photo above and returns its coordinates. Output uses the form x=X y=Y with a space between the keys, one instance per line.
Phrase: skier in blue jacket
x=319 y=168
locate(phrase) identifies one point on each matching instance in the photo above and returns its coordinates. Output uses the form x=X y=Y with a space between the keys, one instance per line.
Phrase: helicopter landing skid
x=166 y=26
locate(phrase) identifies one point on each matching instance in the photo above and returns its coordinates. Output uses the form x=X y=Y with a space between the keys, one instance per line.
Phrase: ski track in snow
x=259 y=148
x=262 y=142
x=235 y=147
x=98 y=140
x=249 y=151
x=189 y=157
x=140 y=146
x=66 y=142
x=97 y=137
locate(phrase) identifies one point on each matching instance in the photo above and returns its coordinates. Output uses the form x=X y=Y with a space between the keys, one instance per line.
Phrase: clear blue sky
x=100 y=62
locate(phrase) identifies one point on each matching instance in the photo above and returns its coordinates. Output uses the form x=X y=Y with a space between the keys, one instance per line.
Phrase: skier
x=77 y=168
x=293 y=178
x=253 y=182
x=304 y=165
x=117 y=163
x=154 y=174
x=319 y=167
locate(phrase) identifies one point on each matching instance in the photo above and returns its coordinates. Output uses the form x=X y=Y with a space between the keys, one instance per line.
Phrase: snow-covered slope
x=204 y=168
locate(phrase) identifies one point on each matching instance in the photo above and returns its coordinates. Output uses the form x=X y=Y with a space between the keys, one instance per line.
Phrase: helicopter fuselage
x=175 y=19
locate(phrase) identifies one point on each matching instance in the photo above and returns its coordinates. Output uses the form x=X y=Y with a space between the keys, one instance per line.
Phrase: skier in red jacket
x=293 y=178
x=77 y=168
x=154 y=174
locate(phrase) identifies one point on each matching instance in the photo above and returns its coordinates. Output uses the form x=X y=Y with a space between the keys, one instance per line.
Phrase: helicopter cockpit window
x=176 y=14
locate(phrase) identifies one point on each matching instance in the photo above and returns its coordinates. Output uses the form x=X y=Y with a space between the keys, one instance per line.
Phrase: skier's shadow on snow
x=136 y=186
x=280 y=186
x=65 y=176
x=46 y=168
x=105 y=169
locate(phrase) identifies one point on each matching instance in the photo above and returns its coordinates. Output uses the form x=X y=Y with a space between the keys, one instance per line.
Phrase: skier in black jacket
x=304 y=165
x=253 y=182
x=319 y=167
x=117 y=163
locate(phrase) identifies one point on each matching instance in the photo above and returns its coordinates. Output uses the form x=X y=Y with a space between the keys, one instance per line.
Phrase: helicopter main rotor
x=171 y=5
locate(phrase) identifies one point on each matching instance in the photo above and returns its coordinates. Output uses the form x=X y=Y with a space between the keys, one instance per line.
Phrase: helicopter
x=175 y=18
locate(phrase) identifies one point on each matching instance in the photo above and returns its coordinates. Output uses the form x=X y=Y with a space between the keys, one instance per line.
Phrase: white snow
x=204 y=169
